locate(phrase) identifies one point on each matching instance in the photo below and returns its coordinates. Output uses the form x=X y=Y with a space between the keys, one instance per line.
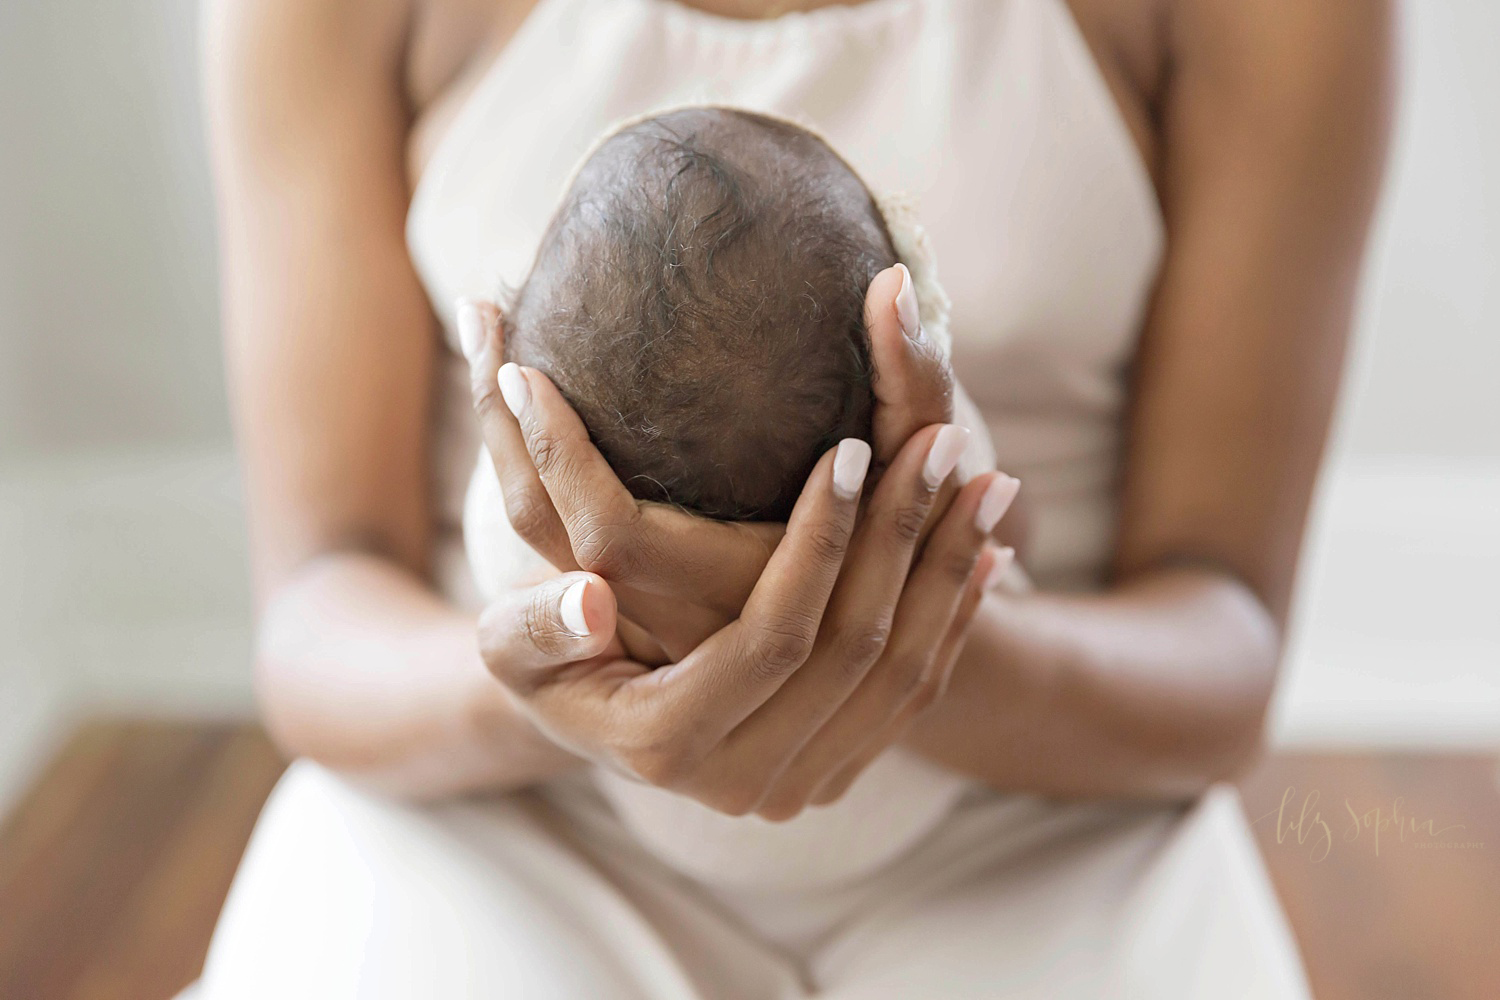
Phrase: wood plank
x=89 y=854
x=157 y=944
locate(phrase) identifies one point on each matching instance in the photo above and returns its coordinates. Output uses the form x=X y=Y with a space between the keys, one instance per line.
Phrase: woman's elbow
x=304 y=700
x=1230 y=737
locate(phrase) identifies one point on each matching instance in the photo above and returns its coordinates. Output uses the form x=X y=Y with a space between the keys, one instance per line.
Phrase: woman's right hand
x=847 y=634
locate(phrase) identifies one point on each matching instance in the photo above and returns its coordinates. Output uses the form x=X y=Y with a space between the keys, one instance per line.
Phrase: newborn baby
x=698 y=298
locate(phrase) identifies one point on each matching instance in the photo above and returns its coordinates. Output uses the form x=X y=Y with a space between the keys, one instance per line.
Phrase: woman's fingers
x=556 y=649
x=596 y=510
x=736 y=670
x=907 y=674
x=913 y=383
x=938 y=582
x=527 y=504
x=718 y=560
x=986 y=578
x=992 y=563
x=562 y=497
x=652 y=548
x=529 y=635
x=863 y=604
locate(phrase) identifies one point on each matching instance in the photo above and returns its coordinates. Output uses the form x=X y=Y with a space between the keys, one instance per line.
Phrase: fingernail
x=470 y=328
x=514 y=388
x=906 y=307
x=571 y=609
x=1003 y=558
x=946 y=449
x=998 y=497
x=850 y=463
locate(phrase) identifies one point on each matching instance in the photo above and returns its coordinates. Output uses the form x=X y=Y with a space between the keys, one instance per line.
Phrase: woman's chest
x=453 y=42
x=992 y=116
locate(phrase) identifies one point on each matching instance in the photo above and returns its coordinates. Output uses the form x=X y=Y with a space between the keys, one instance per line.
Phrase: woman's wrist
x=364 y=669
x=1150 y=689
x=987 y=662
x=506 y=742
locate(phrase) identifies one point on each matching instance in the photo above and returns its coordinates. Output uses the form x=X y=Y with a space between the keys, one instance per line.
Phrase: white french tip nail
x=850 y=463
x=1003 y=558
x=906 y=307
x=942 y=457
x=998 y=496
x=470 y=328
x=514 y=388
x=571 y=609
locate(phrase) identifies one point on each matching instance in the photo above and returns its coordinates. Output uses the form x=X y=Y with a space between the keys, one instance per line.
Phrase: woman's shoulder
x=1288 y=51
x=277 y=67
x=1295 y=83
x=423 y=47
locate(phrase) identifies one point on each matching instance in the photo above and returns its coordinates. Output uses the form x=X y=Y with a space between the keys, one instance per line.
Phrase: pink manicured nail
x=1003 y=558
x=514 y=388
x=470 y=328
x=906 y=307
x=850 y=463
x=942 y=457
x=570 y=609
x=998 y=497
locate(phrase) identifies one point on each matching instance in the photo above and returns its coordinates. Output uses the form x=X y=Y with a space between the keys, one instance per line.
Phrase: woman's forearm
x=1155 y=688
x=367 y=671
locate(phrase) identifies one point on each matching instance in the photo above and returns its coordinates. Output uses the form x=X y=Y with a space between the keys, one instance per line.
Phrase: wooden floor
x=1414 y=916
x=114 y=866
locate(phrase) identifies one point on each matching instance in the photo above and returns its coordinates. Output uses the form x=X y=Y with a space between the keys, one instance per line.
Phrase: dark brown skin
x=1263 y=124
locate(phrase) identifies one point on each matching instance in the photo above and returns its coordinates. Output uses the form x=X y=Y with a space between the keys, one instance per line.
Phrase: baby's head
x=699 y=300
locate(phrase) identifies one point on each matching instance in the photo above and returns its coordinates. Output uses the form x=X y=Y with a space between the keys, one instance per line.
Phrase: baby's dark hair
x=699 y=300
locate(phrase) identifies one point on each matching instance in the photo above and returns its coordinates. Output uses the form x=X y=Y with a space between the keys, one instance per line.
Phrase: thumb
x=530 y=635
x=913 y=384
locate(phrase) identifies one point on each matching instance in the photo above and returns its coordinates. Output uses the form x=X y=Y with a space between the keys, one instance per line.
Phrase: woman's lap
x=344 y=894
x=1080 y=903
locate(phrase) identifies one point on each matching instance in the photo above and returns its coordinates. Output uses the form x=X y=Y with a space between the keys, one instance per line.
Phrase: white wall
x=121 y=546
x=1397 y=638
x=109 y=326
x=1427 y=362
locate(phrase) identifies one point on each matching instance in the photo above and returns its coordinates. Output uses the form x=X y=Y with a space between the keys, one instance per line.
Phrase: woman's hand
x=680 y=576
x=845 y=636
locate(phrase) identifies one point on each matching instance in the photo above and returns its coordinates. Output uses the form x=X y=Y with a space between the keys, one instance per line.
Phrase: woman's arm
x=331 y=348
x=1274 y=127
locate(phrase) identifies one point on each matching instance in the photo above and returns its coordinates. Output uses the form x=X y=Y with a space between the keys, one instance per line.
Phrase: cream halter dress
x=993 y=117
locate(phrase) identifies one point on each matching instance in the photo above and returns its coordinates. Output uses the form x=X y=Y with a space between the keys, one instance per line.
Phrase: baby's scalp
x=699 y=298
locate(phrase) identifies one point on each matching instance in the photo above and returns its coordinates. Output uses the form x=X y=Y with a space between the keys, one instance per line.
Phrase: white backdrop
x=121 y=547
x=1397 y=636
